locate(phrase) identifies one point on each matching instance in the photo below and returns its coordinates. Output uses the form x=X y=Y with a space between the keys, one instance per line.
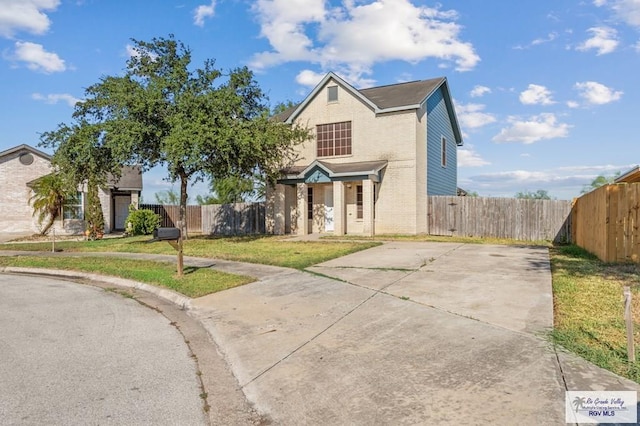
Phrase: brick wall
x=15 y=210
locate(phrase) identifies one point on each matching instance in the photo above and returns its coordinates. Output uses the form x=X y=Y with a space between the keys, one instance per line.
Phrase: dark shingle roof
x=130 y=180
x=402 y=94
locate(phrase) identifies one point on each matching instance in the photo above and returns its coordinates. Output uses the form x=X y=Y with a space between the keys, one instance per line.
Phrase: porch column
x=135 y=200
x=368 y=221
x=275 y=209
x=339 y=216
x=303 y=209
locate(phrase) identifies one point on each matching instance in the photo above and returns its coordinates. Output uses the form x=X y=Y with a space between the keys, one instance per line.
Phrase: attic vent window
x=26 y=159
x=332 y=94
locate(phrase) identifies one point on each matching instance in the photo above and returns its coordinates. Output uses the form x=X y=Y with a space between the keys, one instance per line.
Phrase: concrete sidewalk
x=414 y=333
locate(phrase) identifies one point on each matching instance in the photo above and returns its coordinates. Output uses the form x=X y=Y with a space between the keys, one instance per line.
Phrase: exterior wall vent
x=26 y=159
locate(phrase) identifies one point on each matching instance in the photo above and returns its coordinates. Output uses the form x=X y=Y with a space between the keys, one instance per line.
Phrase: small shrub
x=142 y=222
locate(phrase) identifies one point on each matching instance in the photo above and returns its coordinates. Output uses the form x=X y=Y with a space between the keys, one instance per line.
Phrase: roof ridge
x=400 y=84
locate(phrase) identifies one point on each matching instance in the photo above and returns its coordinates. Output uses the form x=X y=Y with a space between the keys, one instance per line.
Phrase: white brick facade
x=16 y=213
x=398 y=137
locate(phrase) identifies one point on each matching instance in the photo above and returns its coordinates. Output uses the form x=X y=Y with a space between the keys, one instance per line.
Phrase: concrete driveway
x=407 y=333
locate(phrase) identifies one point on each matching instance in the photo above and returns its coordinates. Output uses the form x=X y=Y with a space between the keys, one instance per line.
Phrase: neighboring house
x=375 y=156
x=23 y=164
x=630 y=176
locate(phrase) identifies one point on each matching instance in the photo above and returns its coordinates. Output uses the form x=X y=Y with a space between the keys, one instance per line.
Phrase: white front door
x=121 y=210
x=328 y=208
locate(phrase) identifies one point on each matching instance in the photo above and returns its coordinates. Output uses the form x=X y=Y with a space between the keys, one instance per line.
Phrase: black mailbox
x=166 y=234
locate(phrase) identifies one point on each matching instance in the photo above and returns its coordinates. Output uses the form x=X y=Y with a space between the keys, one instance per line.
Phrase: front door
x=121 y=211
x=328 y=209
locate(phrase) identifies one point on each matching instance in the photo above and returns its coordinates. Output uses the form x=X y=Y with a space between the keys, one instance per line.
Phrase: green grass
x=267 y=250
x=195 y=283
x=588 y=308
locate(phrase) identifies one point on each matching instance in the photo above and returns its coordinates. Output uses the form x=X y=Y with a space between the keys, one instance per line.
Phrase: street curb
x=178 y=299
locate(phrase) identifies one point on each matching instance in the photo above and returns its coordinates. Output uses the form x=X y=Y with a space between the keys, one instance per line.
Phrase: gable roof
x=333 y=171
x=25 y=148
x=385 y=99
x=400 y=95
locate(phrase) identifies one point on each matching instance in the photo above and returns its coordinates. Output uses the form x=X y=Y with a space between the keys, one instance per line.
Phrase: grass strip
x=267 y=250
x=195 y=283
x=589 y=308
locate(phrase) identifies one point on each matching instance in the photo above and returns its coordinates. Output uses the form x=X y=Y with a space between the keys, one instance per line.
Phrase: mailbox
x=166 y=234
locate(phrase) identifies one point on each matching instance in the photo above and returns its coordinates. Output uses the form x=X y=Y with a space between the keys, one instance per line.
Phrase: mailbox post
x=174 y=237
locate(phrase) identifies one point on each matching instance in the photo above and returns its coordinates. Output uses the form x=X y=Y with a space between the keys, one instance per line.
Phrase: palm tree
x=49 y=194
x=578 y=402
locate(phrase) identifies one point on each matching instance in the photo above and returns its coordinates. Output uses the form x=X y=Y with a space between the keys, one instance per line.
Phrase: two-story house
x=375 y=156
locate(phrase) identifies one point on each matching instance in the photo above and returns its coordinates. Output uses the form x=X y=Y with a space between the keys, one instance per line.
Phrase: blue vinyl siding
x=440 y=180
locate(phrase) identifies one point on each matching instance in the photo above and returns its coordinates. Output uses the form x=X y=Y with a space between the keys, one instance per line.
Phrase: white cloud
x=625 y=10
x=597 y=94
x=202 y=12
x=37 y=58
x=536 y=95
x=356 y=35
x=479 y=91
x=550 y=37
x=604 y=40
x=536 y=128
x=563 y=182
x=54 y=98
x=472 y=116
x=131 y=52
x=308 y=78
x=573 y=104
x=468 y=157
x=25 y=15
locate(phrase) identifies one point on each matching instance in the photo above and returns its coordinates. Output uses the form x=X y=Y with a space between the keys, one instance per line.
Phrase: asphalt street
x=76 y=354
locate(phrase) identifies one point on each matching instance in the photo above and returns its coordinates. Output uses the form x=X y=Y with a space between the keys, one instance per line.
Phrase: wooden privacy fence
x=233 y=219
x=606 y=222
x=519 y=219
x=170 y=214
x=220 y=219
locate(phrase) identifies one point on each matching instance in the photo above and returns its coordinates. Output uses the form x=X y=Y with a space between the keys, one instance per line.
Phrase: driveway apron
x=406 y=333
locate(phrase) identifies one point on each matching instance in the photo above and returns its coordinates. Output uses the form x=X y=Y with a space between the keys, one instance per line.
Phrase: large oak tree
x=198 y=123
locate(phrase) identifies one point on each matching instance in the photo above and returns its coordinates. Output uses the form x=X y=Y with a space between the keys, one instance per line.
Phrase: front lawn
x=267 y=250
x=196 y=282
x=589 y=307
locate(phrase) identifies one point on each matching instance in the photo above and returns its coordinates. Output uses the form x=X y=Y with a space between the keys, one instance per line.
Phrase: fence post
x=628 y=317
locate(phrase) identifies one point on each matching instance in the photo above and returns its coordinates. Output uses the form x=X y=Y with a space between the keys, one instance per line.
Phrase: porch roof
x=323 y=171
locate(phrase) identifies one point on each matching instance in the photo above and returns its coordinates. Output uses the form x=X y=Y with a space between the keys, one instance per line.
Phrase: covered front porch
x=323 y=197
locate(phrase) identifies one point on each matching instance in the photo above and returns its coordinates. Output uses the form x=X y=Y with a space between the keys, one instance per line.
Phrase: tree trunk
x=182 y=223
x=50 y=221
x=184 y=180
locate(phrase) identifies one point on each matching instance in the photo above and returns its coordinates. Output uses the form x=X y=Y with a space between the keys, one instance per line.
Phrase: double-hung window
x=72 y=207
x=334 y=139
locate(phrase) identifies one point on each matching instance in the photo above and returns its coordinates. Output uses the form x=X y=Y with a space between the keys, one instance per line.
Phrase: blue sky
x=547 y=93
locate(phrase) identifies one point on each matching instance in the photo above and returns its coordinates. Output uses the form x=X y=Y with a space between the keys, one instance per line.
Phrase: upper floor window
x=334 y=139
x=444 y=152
x=332 y=94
